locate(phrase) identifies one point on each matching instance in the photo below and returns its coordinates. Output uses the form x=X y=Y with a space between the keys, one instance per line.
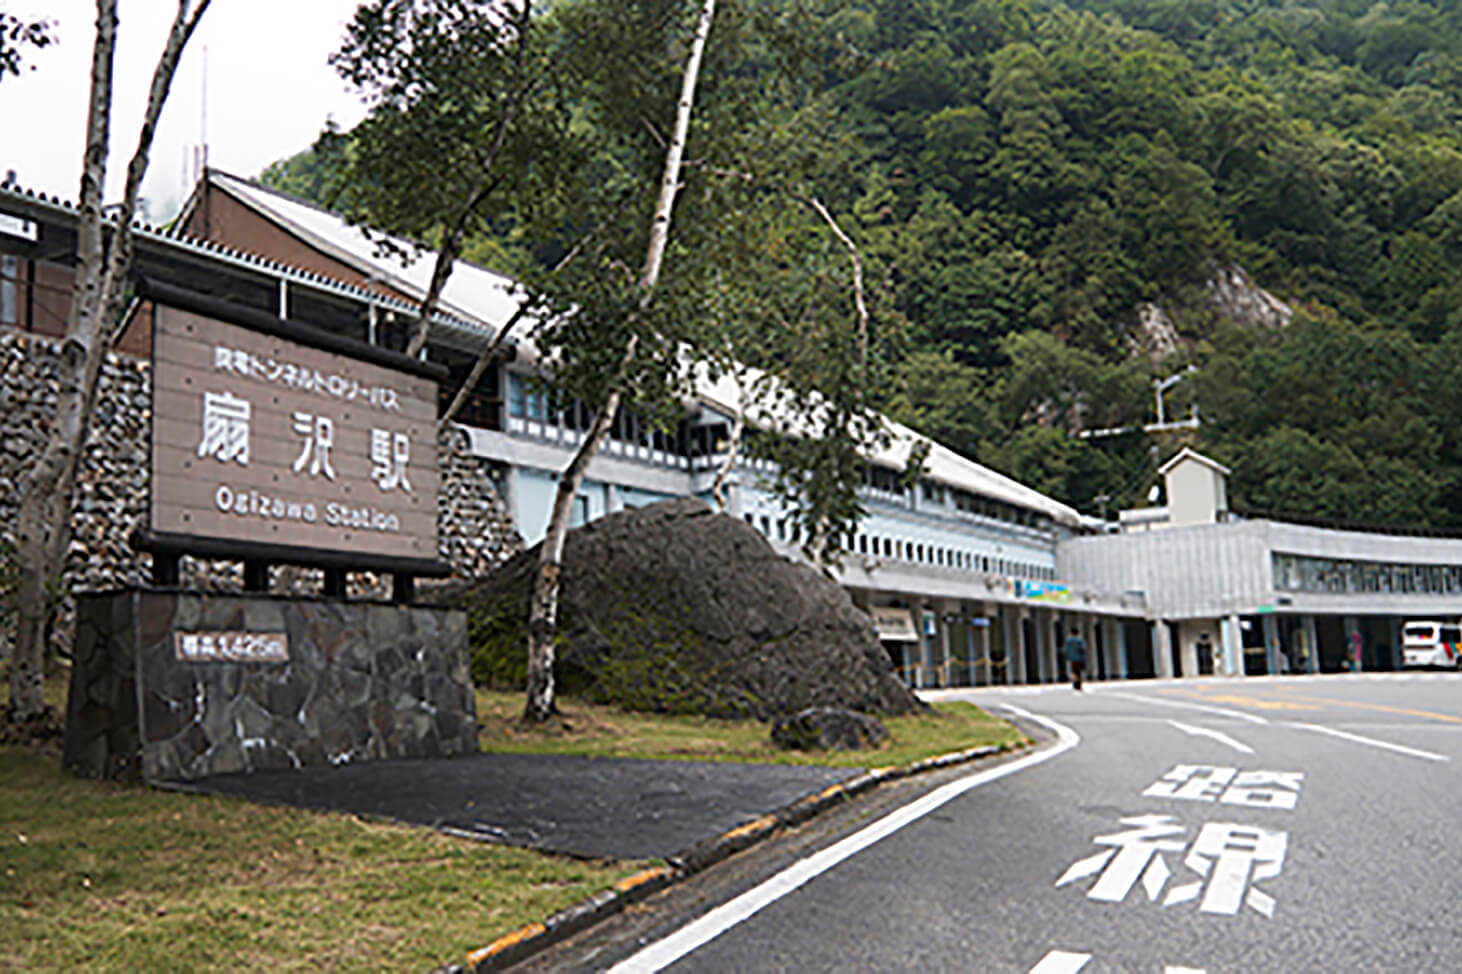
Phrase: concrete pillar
x=985 y=646
x=1109 y=646
x=1095 y=667
x=1352 y=638
x=942 y=668
x=1233 y=646
x=1162 y=649
x=1188 y=655
x=1396 y=642
x=1312 y=644
x=972 y=672
x=1272 y=645
x=1010 y=638
x=1120 y=628
x=919 y=665
x=1044 y=673
x=1055 y=639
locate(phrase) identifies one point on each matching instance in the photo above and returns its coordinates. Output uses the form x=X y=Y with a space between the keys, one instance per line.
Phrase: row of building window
x=687 y=439
x=698 y=440
x=1297 y=573
x=912 y=551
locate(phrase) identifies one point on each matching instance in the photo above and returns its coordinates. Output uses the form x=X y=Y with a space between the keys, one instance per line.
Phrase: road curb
x=528 y=940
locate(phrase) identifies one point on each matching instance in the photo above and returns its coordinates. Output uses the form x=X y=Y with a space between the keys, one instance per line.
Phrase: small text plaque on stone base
x=231 y=647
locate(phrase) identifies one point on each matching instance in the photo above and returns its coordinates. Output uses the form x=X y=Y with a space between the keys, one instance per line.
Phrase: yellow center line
x=1383 y=708
x=1313 y=703
x=1258 y=703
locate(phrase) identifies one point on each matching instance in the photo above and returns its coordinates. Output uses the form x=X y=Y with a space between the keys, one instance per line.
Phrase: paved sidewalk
x=589 y=807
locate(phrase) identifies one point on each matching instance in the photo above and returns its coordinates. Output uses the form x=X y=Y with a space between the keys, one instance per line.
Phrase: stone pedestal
x=174 y=686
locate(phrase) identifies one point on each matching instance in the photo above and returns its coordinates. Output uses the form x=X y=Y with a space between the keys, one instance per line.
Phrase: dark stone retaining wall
x=363 y=681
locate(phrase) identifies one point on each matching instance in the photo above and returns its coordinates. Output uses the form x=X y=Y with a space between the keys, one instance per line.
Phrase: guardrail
x=980 y=672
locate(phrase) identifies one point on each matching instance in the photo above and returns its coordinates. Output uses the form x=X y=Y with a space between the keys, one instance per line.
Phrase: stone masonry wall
x=111 y=489
x=360 y=681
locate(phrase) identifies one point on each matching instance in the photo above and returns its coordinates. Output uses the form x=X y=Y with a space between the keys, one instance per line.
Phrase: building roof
x=1188 y=453
x=472 y=293
x=942 y=465
x=477 y=294
x=24 y=204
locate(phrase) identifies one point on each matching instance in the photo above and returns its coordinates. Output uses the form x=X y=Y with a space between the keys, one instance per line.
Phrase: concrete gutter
x=520 y=944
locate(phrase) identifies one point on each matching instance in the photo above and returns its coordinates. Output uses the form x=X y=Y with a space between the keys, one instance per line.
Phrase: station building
x=971 y=577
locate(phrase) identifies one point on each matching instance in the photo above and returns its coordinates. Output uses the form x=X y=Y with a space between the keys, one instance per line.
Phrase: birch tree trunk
x=43 y=523
x=543 y=613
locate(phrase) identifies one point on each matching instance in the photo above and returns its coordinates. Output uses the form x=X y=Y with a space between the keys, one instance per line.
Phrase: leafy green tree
x=943 y=399
x=16 y=35
x=465 y=124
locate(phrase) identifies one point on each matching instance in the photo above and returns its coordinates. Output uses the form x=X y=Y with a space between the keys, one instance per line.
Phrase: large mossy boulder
x=675 y=609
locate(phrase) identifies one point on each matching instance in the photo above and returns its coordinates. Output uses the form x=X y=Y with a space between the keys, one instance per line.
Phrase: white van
x=1430 y=643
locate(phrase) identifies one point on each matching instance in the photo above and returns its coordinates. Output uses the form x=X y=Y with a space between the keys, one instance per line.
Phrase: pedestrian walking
x=1075 y=657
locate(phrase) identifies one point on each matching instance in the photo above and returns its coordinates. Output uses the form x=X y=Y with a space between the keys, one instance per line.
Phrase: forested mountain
x=1026 y=177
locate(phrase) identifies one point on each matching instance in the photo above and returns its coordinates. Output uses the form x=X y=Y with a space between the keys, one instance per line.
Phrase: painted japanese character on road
x=1229 y=786
x=319 y=437
x=389 y=456
x=225 y=428
x=1135 y=853
x=1230 y=857
x=1227 y=857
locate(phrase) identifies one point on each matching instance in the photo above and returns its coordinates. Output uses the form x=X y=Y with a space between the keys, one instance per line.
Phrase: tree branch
x=480 y=366
x=486 y=182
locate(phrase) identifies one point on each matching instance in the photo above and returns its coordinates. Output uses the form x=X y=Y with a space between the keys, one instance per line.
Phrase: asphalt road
x=1293 y=824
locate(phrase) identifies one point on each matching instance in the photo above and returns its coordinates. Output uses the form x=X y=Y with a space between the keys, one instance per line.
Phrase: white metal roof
x=25 y=205
x=480 y=295
x=942 y=464
x=472 y=292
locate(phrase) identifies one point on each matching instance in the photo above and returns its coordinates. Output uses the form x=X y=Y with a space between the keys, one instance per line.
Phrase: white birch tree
x=462 y=128
x=543 y=612
x=103 y=260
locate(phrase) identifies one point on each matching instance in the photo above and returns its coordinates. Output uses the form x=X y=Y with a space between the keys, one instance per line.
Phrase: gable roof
x=472 y=292
x=1188 y=453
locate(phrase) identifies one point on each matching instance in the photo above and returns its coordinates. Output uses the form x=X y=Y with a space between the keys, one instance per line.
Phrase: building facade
x=970 y=577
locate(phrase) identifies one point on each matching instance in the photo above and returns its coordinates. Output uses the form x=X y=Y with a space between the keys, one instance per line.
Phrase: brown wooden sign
x=260 y=440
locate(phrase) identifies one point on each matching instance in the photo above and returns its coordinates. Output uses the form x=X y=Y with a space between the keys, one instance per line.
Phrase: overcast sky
x=269 y=87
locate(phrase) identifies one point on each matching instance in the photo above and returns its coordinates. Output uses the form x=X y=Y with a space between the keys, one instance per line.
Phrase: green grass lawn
x=610 y=732
x=107 y=876
x=102 y=876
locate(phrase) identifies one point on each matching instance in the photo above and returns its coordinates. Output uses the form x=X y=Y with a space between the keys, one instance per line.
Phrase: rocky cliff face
x=674 y=608
x=1238 y=298
x=1232 y=295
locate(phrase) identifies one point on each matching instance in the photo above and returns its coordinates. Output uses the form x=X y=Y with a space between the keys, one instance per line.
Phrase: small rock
x=829 y=729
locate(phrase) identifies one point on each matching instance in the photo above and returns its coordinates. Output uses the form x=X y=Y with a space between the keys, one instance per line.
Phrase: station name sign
x=259 y=440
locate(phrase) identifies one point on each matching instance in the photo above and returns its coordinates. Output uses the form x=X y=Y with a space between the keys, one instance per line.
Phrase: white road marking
x=1218 y=736
x=1357 y=738
x=1070 y=962
x=1061 y=962
x=1223 y=711
x=665 y=952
